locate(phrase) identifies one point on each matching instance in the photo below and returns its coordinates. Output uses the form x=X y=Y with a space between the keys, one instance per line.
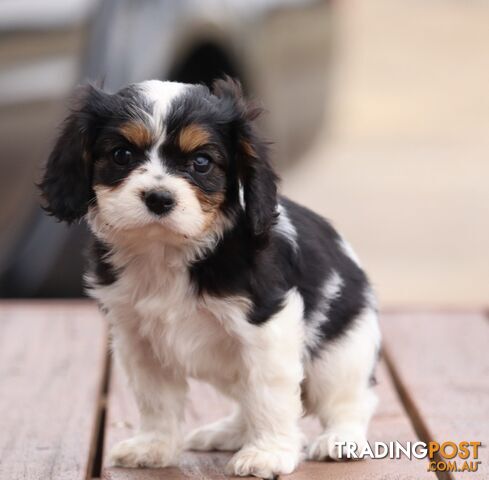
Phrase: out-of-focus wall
x=400 y=164
x=41 y=49
x=278 y=48
x=403 y=167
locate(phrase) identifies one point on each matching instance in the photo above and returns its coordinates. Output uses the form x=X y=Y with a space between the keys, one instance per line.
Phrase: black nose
x=159 y=201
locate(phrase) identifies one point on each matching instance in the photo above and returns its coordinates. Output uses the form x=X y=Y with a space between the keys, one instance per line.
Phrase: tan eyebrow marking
x=192 y=137
x=137 y=133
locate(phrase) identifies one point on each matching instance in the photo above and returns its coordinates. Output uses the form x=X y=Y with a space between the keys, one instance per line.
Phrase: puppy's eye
x=201 y=164
x=122 y=156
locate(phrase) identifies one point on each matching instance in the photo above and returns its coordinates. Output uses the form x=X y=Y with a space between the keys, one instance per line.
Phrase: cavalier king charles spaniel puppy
x=202 y=270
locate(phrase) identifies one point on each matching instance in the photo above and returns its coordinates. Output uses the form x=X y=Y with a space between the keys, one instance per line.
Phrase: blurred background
x=379 y=111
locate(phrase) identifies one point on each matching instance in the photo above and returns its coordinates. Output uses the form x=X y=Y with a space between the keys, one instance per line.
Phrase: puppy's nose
x=159 y=201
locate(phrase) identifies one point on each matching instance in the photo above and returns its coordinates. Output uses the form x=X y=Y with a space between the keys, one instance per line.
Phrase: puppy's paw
x=227 y=434
x=147 y=450
x=262 y=463
x=326 y=445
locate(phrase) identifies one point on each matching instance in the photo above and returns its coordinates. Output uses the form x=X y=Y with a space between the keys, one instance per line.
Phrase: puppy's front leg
x=160 y=396
x=272 y=408
x=269 y=393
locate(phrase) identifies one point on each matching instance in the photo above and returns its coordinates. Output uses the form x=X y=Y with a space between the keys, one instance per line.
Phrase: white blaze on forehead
x=160 y=95
x=154 y=167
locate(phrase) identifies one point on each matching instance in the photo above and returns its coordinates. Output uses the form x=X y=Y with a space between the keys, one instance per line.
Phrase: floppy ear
x=66 y=185
x=255 y=170
x=259 y=184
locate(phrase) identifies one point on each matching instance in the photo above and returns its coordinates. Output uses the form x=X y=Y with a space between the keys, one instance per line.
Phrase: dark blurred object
x=278 y=48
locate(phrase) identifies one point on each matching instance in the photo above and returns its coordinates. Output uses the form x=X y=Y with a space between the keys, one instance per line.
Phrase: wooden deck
x=63 y=405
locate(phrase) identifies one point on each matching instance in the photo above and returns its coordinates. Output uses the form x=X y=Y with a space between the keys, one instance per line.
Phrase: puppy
x=203 y=271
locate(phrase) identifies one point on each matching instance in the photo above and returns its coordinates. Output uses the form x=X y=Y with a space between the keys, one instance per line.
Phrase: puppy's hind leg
x=226 y=434
x=338 y=387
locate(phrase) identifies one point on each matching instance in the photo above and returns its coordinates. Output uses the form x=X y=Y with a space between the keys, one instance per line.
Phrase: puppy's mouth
x=158 y=231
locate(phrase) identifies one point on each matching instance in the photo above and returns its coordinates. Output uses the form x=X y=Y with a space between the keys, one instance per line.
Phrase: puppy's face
x=163 y=161
x=164 y=157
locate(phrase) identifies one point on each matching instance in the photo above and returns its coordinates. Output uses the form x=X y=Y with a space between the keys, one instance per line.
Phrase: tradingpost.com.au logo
x=442 y=457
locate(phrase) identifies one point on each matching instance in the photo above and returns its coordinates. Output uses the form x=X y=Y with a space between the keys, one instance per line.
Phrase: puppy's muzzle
x=159 y=202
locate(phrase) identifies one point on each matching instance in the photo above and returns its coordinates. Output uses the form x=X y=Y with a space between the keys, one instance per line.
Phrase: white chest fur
x=154 y=299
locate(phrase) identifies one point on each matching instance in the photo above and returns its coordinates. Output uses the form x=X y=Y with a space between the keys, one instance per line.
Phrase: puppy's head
x=162 y=155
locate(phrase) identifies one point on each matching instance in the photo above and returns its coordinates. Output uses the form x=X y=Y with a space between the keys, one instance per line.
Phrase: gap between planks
x=444 y=387
x=412 y=412
x=97 y=451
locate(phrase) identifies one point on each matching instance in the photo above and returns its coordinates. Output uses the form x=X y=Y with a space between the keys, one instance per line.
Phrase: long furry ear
x=258 y=178
x=259 y=185
x=66 y=184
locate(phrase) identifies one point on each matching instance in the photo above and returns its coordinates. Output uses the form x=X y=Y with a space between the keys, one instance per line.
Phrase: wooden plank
x=51 y=368
x=442 y=366
x=205 y=405
x=390 y=423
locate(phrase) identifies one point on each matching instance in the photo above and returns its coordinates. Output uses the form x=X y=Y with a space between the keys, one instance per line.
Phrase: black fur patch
x=126 y=106
x=99 y=265
x=265 y=274
x=319 y=256
x=240 y=266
